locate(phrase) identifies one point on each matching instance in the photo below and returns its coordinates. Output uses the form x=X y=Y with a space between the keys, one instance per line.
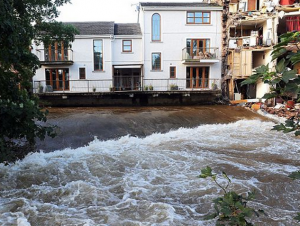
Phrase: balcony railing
x=127 y=84
x=55 y=56
x=198 y=54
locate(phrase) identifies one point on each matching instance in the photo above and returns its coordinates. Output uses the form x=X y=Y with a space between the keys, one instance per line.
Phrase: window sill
x=98 y=71
x=156 y=70
x=127 y=52
x=156 y=42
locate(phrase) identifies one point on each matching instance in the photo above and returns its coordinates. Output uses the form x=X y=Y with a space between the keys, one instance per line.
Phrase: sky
x=120 y=11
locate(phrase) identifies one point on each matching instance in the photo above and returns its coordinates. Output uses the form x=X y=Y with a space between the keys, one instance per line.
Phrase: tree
x=21 y=119
x=284 y=81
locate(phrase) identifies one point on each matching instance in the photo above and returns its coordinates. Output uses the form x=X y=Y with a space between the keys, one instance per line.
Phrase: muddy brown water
x=142 y=170
x=78 y=126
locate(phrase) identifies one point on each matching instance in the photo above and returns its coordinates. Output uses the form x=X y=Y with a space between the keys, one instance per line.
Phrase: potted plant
x=150 y=87
x=214 y=86
x=173 y=87
x=41 y=89
x=94 y=89
x=146 y=88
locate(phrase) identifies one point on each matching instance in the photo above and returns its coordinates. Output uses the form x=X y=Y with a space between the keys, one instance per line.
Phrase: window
x=198 y=17
x=156 y=61
x=156 y=27
x=57 y=79
x=81 y=73
x=57 y=51
x=172 y=72
x=98 y=55
x=127 y=46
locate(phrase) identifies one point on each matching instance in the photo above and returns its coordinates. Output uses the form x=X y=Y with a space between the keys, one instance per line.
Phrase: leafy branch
x=231 y=208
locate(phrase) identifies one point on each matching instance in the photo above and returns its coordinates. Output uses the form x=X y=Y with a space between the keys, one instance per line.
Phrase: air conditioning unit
x=237 y=96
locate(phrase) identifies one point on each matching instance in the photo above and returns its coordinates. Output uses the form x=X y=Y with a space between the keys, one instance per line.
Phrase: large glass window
x=57 y=51
x=156 y=23
x=156 y=61
x=57 y=79
x=198 y=17
x=98 y=55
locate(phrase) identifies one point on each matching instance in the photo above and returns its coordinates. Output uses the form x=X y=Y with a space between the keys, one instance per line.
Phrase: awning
x=128 y=66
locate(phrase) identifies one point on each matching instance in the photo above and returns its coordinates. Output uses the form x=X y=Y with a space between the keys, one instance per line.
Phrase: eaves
x=213 y=8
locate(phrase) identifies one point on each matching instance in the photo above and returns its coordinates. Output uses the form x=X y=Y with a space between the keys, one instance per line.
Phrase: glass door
x=58 y=79
x=197 y=77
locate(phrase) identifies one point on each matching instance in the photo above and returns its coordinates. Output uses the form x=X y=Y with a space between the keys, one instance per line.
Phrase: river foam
x=153 y=180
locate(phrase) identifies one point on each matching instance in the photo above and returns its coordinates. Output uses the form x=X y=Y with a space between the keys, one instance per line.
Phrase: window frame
x=156 y=40
x=174 y=76
x=194 y=17
x=80 y=74
x=155 y=69
x=127 y=51
x=101 y=69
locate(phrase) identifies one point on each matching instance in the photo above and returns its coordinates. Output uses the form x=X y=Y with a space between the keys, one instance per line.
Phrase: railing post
x=88 y=81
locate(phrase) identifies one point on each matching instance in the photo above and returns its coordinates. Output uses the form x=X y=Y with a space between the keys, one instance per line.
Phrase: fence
x=125 y=84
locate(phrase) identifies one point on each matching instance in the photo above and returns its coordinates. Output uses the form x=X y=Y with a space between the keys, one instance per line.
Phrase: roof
x=94 y=28
x=106 y=28
x=128 y=29
x=178 y=4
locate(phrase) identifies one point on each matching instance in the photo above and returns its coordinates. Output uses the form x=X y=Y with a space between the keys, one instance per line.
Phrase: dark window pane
x=98 y=55
x=156 y=61
x=172 y=72
x=81 y=73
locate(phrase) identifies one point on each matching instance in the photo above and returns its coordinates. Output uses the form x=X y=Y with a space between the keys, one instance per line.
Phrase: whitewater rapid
x=153 y=180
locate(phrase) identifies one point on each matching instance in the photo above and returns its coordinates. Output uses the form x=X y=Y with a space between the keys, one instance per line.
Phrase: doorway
x=197 y=77
x=58 y=79
x=127 y=79
x=197 y=47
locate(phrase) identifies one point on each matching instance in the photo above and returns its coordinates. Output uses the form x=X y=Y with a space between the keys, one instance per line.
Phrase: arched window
x=156 y=27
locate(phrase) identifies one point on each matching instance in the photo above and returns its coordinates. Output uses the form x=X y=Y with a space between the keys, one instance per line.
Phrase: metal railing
x=125 y=85
x=190 y=53
x=58 y=55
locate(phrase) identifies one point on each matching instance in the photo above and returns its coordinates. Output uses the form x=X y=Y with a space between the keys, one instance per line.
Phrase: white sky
x=119 y=11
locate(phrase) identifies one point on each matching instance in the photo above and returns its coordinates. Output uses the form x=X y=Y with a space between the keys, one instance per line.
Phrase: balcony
x=127 y=84
x=200 y=55
x=55 y=57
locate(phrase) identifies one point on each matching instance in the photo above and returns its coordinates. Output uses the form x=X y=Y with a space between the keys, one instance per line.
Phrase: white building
x=176 y=46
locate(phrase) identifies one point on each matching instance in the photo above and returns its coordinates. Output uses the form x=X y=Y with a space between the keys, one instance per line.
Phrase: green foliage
x=231 y=208
x=21 y=119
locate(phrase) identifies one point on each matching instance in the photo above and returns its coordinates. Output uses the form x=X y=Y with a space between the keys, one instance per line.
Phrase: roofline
x=168 y=8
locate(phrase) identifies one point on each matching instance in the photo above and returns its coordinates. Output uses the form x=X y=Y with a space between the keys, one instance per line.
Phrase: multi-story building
x=176 y=46
x=251 y=32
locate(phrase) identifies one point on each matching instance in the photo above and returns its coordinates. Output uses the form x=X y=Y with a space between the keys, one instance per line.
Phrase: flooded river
x=143 y=168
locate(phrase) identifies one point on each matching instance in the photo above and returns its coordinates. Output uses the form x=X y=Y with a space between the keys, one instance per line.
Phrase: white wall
x=134 y=57
x=174 y=33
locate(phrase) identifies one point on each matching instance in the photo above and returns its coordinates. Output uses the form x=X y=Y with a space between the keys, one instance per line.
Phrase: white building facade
x=176 y=46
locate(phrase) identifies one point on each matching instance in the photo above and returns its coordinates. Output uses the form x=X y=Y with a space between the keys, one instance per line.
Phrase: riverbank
x=79 y=126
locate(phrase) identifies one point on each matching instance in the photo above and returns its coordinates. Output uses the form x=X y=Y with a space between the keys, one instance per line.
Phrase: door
x=58 y=79
x=197 y=47
x=197 y=77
